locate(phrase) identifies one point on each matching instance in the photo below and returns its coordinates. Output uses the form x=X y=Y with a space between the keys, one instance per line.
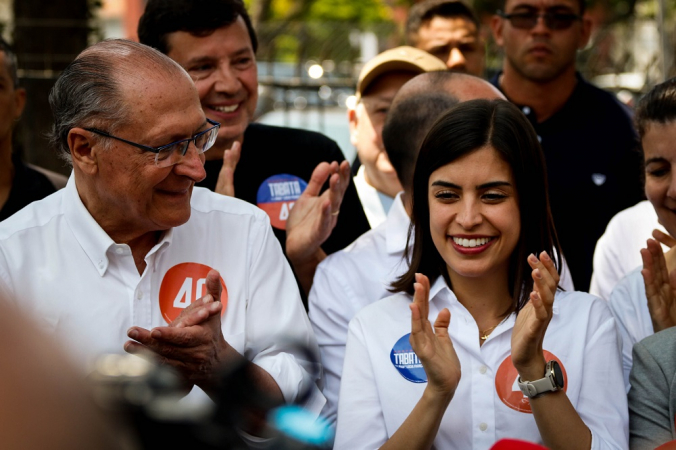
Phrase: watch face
x=558 y=375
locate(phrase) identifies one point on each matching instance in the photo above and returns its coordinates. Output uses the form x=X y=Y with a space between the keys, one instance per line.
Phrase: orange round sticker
x=508 y=389
x=183 y=284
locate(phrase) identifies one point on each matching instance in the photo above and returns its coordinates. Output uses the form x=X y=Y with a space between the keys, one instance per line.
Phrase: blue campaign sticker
x=277 y=195
x=406 y=361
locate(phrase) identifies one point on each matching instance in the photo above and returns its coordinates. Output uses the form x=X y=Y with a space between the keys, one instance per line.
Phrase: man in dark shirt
x=216 y=44
x=20 y=184
x=586 y=134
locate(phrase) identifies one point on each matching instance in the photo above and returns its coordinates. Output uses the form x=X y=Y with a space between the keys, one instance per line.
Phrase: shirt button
x=139 y=295
x=119 y=251
x=482 y=370
x=483 y=427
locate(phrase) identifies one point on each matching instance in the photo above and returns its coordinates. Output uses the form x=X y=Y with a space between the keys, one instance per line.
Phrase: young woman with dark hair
x=510 y=354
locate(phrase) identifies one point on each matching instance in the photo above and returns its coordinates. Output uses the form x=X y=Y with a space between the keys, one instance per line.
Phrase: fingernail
x=155 y=334
x=538 y=275
x=132 y=333
x=207 y=299
x=215 y=306
x=545 y=256
x=532 y=258
x=535 y=295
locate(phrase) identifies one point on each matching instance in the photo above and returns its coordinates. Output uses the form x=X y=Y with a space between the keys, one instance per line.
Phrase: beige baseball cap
x=399 y=58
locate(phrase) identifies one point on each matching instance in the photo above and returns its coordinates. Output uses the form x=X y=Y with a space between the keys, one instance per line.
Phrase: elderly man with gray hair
x=131 y=256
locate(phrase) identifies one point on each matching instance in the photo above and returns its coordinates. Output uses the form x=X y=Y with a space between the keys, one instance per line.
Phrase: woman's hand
x=434 y=348
x=532 y=321
x=660 y=286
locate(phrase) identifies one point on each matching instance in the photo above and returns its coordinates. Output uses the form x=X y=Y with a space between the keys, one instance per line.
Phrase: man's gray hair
x=89 y=92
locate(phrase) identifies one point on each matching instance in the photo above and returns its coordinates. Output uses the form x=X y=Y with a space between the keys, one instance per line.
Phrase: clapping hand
x=433 y=347
x=660 y=285
x=193 y=343
x=225 y=184
x=532 y=321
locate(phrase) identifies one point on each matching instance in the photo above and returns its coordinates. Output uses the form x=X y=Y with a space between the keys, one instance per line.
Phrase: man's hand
x=226 y=177
x=313 y=217
x=660 y=286
x=193 y=343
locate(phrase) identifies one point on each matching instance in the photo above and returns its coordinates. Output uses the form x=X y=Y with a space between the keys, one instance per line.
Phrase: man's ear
x=353 y=121
x=19 y=102
x=497 y=23
x=83 y=151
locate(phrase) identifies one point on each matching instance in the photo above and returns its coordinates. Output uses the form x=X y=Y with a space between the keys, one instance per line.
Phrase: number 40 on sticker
x=183 y=284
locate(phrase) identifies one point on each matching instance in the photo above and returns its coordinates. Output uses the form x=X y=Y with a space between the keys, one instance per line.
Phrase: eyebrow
x=656 y=159
x=488 y=185
x=207 y=58
x=175 y=137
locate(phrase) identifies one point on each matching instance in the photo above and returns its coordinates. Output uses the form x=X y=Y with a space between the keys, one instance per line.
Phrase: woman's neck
x=486 y=298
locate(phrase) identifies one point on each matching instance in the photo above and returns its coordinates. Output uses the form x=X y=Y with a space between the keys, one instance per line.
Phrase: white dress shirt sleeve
x=277 y=323
x=361 y=424
x=602 y=404
x=330 y=314
x=629 y=305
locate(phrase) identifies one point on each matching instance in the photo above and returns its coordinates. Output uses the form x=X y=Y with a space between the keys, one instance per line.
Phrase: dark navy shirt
x=593 y=168
x=28 y=186
x=268 y=151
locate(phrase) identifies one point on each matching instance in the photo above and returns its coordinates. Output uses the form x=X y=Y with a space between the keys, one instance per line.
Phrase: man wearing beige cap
x=380 y=79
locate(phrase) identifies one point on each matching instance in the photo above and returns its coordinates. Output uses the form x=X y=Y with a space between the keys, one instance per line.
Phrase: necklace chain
x=483 y=335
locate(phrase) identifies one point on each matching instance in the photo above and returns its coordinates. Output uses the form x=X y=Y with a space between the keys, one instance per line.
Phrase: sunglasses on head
x=528 y=19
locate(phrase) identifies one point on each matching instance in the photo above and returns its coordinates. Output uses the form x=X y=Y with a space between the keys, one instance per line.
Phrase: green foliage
x=360 y=11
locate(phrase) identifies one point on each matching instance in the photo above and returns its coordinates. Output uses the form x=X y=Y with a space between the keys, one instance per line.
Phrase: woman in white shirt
x=510 y=354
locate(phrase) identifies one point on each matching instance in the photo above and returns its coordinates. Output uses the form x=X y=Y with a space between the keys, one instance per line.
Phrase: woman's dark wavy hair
x=658 y=105
x=461 y=130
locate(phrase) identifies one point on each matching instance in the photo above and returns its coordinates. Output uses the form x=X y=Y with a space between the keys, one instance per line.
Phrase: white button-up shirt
x=353 y=278
x=618 y=250
x=59 y=265
x=348 y=280
x=376 y=396
x=629 y=305
x=376 y=204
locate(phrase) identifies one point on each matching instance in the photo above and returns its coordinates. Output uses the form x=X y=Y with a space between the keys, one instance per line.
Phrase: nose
x=191 y=165
x=469 y=215
x=671 y=191
x=540 y=26
x=227 y=80
x=456 y=60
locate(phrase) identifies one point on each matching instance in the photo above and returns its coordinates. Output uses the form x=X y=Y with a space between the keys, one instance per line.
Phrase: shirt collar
x=94 y=241
x=396 y=227
x=92 y=238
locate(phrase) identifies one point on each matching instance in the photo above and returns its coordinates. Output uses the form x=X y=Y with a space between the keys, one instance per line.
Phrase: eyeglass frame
x=546 y=17
x=157 y=150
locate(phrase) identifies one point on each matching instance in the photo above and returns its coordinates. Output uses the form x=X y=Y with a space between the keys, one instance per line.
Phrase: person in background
x=380 y=79
x=510 y=354
x=20 y=183
x=618 y=250
x=644 y=301
x=586 y=133
x=652 y=397
x=449 y=30
x=278 y=169
x=130 y=256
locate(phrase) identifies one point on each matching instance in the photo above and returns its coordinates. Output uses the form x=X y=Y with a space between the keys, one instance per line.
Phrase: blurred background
x=310 y=53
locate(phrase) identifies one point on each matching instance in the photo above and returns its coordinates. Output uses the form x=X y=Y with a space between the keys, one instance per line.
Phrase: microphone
x=516 y=444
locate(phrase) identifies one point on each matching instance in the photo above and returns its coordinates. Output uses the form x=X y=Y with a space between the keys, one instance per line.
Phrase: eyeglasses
x=528 y=19
x=170 y=154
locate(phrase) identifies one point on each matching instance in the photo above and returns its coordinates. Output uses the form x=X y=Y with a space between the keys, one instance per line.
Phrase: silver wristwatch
x=552 y=381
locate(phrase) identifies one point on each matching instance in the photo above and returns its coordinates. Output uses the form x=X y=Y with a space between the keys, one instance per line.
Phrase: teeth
x=225 y=109
x=469 y=243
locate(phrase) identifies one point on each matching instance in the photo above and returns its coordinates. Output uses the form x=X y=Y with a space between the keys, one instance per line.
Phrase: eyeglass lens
x=553 y=20
x=172 y=155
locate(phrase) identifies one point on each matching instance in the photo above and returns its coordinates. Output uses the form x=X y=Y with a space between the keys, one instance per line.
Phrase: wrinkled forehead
x=573 y=5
